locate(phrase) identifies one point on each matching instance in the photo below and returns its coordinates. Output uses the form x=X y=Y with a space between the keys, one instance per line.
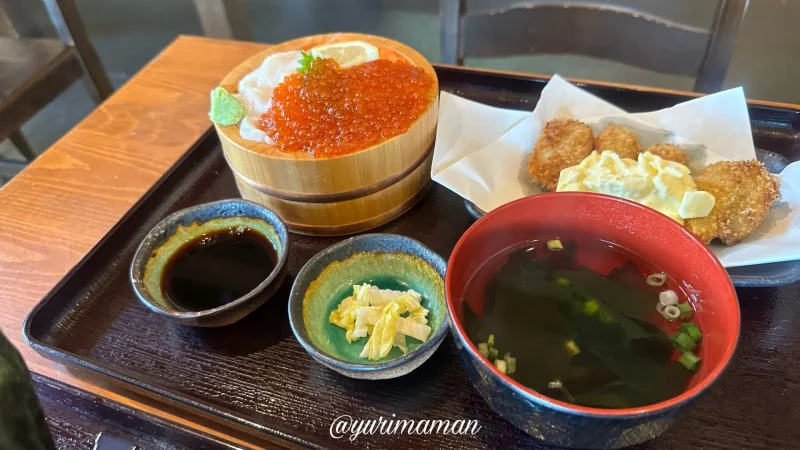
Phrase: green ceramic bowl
x=384 y=260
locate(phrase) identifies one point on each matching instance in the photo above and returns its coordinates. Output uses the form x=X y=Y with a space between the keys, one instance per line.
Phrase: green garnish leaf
x=305 y=62
x=225 y=108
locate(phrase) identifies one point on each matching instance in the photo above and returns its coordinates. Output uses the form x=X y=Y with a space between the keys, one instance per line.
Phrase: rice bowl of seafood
x=309 y=128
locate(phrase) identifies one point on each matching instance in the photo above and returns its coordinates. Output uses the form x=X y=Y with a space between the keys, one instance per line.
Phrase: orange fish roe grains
x=329 y=111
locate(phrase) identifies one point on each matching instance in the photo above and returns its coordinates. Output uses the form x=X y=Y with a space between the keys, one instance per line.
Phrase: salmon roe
x=329 y=111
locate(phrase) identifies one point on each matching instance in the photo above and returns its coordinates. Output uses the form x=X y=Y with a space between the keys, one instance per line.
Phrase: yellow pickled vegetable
x=378 y=313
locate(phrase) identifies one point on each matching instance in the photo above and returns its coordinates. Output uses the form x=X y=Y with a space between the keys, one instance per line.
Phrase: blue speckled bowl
x=386 y=260
x=186 y=224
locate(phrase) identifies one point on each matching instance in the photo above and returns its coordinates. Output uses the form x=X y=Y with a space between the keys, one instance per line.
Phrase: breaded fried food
x=669 y=152
x=563 y=143
x=744 y=192
x=619 y=140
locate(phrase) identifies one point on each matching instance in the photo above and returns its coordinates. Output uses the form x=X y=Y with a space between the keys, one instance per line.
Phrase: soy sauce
x=217 y=268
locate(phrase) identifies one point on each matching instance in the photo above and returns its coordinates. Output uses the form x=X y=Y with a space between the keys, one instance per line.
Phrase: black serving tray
x=76 y=418
x=254 y=375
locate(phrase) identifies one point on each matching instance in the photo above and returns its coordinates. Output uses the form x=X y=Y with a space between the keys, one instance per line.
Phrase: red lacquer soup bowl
x=641 y=230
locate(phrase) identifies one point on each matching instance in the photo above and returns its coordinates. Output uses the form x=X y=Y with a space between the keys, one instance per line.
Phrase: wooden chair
x=603 y=31
x=35 y=69
x=225 y=19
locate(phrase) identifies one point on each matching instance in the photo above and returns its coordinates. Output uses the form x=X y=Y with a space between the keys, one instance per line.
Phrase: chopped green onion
x=590 y=307
x=483 y=348
x=693 y=332
x=605 y=317
x=491 y=340
x=572 y=348
x=657 y=279
x=557 y=384
x=493 y=353
x=686 y=310
x=682 y=341
x=668 y=298
x=690 y=361
x=501 y=366
x=511 y=363
x=554 y=245
x=670 y=312
x=562 y=281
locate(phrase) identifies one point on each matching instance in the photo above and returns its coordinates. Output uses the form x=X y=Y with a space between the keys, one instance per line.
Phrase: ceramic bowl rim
x=139 y=261
x=298 y=323
x=604 y=413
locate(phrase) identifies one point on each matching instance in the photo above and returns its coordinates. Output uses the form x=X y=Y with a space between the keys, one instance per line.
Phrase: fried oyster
x=669 y=152
x=744 y=192
x=563 y=143
x=619 y=140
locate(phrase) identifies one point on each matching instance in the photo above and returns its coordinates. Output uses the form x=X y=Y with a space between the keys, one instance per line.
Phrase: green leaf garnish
x=305 y=62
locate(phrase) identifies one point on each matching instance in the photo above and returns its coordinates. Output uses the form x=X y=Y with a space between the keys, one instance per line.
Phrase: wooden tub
x=341 y=194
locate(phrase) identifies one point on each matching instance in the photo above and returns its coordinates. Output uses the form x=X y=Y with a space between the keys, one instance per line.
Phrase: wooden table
x=54 y=212
x=57 y=209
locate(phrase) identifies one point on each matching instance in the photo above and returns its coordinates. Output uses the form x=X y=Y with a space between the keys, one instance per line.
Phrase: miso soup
x=581 y=322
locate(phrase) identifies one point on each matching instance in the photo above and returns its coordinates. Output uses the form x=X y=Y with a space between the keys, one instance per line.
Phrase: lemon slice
x=347 y=54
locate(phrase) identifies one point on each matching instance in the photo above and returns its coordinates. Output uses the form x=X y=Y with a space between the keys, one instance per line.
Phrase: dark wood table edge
x=133 y=412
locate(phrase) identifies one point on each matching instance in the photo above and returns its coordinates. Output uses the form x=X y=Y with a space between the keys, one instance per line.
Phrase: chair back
x=604 y=31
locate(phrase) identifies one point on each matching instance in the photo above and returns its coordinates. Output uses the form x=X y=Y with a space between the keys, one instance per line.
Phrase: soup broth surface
x=581 y=323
